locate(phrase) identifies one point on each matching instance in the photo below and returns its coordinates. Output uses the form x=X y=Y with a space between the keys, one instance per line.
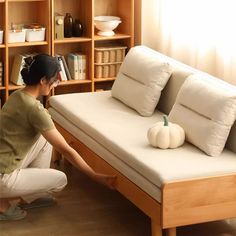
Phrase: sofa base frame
x=183 y=202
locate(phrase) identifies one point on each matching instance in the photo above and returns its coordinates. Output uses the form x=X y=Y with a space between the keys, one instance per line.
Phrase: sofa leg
x=156 y=229
x=171 y=232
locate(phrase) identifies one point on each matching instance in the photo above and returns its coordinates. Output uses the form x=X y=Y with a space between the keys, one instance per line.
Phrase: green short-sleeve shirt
x=22 y=119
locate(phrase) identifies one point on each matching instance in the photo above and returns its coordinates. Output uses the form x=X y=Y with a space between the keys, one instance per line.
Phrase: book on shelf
x=64 y=65
x=66 y=68
x=62 y=72
x=72 y=61
x=17 y=66
x=77 y=65
x=81 y=66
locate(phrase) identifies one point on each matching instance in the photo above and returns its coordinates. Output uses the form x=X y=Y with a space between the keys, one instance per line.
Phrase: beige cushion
x=142 y=76
x=206 y=109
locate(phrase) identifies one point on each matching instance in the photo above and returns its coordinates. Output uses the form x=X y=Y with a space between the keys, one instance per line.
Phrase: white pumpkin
x=166 y=135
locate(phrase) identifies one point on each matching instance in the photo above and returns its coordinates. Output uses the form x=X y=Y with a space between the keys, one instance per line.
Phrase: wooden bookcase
x=42 y=12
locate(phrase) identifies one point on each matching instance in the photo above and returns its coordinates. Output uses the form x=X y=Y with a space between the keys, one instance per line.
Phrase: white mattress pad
x=123 y=132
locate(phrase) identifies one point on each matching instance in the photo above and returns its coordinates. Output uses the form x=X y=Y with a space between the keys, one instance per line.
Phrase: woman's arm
x=54 y=137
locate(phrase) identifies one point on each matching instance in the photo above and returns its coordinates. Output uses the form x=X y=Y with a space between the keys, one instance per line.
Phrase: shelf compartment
x=26 y=12
x=79 y=9
x=121 y=8
x=73 y=40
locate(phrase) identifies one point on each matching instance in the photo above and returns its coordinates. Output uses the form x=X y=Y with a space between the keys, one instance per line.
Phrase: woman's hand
x=107 y=180
x=58 y=142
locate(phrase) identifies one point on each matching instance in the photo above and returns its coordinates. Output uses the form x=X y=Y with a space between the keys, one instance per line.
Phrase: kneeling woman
x=27 y=134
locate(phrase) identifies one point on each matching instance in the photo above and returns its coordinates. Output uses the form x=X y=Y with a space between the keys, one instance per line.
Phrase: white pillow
x=206 y=109
x=142 y=76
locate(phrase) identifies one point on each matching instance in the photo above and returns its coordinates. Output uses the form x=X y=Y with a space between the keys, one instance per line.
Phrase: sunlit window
x=204 y=29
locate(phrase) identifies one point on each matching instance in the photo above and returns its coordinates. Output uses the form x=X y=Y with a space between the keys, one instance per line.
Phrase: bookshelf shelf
x=2 y=87
x=2 y=45
x=27 y=44
x=73 y=40
x=27 y=0
x=12 y=86
x=71 y=82
x=115 y=37
x=104 y=79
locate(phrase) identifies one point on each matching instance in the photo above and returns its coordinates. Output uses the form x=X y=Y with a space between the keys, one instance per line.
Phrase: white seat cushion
x=122 y=132
x=206 y=109
x=142 y=76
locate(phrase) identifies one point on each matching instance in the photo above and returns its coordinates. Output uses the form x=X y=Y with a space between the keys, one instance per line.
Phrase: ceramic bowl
x=106 y=24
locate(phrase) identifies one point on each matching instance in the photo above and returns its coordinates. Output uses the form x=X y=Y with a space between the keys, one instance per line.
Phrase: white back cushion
x=206 y=109
x=141 y=78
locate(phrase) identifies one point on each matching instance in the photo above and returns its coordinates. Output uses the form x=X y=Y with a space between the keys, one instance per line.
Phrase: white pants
x=34 y=179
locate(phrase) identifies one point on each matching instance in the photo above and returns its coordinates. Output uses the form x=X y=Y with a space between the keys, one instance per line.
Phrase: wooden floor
x=87 y=209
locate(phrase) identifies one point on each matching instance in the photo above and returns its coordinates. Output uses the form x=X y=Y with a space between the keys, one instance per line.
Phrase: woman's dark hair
x=38 y=67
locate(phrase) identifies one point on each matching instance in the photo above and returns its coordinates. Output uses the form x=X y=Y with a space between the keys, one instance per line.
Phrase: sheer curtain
x=201 y=33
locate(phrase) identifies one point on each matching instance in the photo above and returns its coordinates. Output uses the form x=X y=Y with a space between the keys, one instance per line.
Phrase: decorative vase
x=68 y=26
x=77 y=28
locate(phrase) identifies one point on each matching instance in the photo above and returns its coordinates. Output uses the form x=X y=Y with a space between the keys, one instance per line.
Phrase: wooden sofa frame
x=183 y=203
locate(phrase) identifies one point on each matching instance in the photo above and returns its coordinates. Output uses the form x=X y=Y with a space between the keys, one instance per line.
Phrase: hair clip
x=29 y=61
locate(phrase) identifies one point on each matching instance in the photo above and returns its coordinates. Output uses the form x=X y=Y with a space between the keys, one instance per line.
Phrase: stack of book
x=77 y=65
x=74 y=68
x=64 y=73
x=1 y=73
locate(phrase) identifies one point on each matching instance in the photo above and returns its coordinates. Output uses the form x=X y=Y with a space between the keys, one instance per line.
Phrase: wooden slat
x=195 y=201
